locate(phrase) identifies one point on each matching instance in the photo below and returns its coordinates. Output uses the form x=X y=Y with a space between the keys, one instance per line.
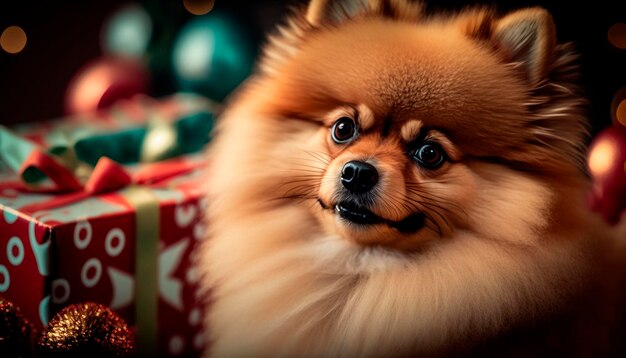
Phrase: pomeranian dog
x=394 y=184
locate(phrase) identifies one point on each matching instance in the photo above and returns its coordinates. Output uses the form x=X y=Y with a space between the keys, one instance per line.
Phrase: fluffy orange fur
x=506 y=245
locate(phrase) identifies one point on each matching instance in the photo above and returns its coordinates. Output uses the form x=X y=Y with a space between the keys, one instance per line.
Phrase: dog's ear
x=322 y=12
x=526 y=38
x=334 y=11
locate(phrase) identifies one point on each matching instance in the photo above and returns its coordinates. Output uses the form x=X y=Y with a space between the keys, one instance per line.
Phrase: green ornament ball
x=212 y=55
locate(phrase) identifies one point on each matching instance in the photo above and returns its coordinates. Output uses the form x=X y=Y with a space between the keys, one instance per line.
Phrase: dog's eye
x=344 y=130
x=430 y=155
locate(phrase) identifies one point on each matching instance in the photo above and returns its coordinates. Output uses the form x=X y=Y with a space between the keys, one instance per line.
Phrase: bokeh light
x=13 y=39
x=617 y=35
x=618 y=107
x=620 y=112
x=192 y=55
x=128 y=32
x=199 y=7
x=602 y=157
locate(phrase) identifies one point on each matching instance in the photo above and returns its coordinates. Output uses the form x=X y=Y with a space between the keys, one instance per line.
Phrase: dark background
x=63 y=35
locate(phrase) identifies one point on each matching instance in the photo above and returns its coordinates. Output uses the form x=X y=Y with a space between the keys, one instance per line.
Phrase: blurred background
x=77 y=58
x=56 y=56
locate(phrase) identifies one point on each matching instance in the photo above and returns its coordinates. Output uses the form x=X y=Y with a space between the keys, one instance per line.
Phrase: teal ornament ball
x=212 y=55
x=127 y=32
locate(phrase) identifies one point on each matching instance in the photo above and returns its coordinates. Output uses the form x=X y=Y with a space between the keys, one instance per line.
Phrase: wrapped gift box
x=121 y=235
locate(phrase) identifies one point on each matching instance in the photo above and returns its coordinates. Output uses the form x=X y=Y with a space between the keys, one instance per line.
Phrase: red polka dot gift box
x=119 y=234
x=128 y=249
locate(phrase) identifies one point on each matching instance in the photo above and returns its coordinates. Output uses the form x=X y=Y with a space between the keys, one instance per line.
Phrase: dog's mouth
x=356 y=214
x=359 y=215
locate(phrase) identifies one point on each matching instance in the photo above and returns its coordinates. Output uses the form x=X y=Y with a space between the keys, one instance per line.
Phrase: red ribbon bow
x=107 y=176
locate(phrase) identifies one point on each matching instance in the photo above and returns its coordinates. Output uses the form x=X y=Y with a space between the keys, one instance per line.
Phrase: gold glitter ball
x=16 y=333
x=86 y=329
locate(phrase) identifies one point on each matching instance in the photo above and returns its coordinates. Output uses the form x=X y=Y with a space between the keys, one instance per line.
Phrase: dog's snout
x=359 y=177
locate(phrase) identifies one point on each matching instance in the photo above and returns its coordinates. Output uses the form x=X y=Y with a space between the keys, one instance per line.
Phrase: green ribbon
x=83 y=148
x=13 y=149
x=147 y=229
x=189 y=134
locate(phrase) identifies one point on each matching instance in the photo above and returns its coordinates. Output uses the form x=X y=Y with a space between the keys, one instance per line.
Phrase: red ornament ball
x=607 y=166
x=16 y=333
x=104 y=81
x=86 y=330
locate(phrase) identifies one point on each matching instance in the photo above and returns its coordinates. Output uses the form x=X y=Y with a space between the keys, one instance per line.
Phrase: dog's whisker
x=434 y=197
x=435 y=222
x=318 y=153
x=312 y=163
x=411 y=206
x=316 y=157
x=305 y=177
x=296 y=197
x=426 y=208
x=431 y=207
x=304 y=168
x=429 y=197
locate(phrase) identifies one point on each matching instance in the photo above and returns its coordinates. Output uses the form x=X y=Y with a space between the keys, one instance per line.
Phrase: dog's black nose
x=359 y=177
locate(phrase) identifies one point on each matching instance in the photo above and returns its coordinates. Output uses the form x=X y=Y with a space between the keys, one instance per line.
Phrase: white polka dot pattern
x=5 y=279
x=177 y=345
x=198 y=341
x=92 y=263
x=192 y=275
x=184 y=215
x=82 y=234
x=15 y=251
x=199 y=231
x=60 y=285
x=44 y=310
x=194 y=317
x=9 y=216
x=114 y=242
